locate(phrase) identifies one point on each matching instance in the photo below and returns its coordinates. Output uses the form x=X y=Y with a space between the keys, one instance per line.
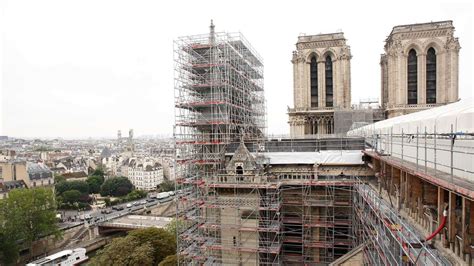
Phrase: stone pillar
x=440 y=77
x=301 y=84
x=295 y=83
x=347 y=83
x=453 y=67
x=401 y=76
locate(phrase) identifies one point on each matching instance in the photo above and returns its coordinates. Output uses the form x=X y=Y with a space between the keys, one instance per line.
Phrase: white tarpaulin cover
x=322 y=157
x=459 y=115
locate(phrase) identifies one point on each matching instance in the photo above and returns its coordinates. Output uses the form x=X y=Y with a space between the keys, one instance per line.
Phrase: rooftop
x=321 y=37
x=423 y=26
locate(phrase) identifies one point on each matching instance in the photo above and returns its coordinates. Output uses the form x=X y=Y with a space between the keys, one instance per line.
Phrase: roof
x=321 y=37
x=422 y=26
x=106 y=153
x=321 y=157
x=34 y=168
x=9 y=185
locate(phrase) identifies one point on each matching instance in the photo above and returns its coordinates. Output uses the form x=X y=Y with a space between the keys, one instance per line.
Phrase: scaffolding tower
x=219 y=100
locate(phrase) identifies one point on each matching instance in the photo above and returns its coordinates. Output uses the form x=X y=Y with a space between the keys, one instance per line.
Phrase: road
x=73 y=218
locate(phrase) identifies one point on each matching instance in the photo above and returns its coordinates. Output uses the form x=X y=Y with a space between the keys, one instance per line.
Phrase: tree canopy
x=171 y=260
x=167 y=185
x=71 y=196
x=94 y=183
x=124 y=251
x=80 y=186
x=99 y=171
x=26 y=215
x=148 y=246
x=116 y=186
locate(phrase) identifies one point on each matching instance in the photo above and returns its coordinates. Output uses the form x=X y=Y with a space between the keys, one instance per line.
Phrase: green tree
x=116 y=186
x=167 y=185
x=174 y=226
x=99 y=171
x=134 y=249
x=25 y=216
x=71 y=196
x=94 y=183
x=171 y=260
x=124 y=251
x=59 y=178
x=135 y=194
x=162 y=241
x=80 y=186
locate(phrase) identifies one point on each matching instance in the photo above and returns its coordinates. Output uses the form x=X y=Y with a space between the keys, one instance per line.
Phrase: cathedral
x=419 y=70
x=322 y=83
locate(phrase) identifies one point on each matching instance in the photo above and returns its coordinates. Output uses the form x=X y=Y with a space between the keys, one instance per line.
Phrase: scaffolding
x=261 y=216
x=219 y=100
x=388 y=238
x=316 y=219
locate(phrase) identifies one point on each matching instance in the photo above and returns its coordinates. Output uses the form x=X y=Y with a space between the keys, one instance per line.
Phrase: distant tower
x=419 y=67
x=130 y=141
x=119 y=138
x=212 y=35
x=321 y=83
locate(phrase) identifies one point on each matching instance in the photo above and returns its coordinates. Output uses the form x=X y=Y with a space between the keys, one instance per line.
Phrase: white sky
x=88 y=68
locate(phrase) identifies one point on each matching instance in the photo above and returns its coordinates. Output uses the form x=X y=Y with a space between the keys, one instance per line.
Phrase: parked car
x=117 y=208
x=129 y=205
x=106 y=211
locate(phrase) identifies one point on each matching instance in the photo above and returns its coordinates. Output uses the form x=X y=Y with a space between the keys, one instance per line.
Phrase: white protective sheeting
x=458 y=115
x=404 y=137
x=323 y=157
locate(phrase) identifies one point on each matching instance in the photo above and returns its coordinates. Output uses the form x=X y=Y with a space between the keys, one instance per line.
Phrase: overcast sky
x=76 y=69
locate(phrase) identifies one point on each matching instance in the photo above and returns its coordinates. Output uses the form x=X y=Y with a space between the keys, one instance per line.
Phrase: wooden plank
x=440 y=208
x=465 y=233
x=452 y=218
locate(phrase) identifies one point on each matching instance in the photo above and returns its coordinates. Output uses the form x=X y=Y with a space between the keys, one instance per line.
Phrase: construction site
x=372 y=194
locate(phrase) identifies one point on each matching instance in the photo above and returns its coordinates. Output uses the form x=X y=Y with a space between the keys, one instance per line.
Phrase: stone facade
x=419 y=67
x=322 y=83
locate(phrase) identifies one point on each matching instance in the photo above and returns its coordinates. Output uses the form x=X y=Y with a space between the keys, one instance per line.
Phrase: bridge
x=131 y=222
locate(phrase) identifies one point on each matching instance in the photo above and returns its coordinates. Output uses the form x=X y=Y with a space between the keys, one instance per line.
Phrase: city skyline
x=88 y=76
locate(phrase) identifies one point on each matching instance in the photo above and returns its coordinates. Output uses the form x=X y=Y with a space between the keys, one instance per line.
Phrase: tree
x=162 y=241
x=134 y=249
x=136 y=194
x=116 y=186
x=59 y=179
x=25 y=216
x=124 y=251
x=94 y=183
x=167 y=185
x=99 y=171
x=71 y=196
x=171 y=260
x=80 y=186
x=174 y=226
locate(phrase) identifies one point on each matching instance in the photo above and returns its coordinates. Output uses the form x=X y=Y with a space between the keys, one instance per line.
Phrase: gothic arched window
x=431 y=76
x=412 y=77
x=329 y=87
x=314 y=81
x=239 y=170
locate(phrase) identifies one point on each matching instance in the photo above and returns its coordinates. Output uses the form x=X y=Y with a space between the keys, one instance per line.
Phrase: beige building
x=33 y=174
x=322 y=83
x=419 y=67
